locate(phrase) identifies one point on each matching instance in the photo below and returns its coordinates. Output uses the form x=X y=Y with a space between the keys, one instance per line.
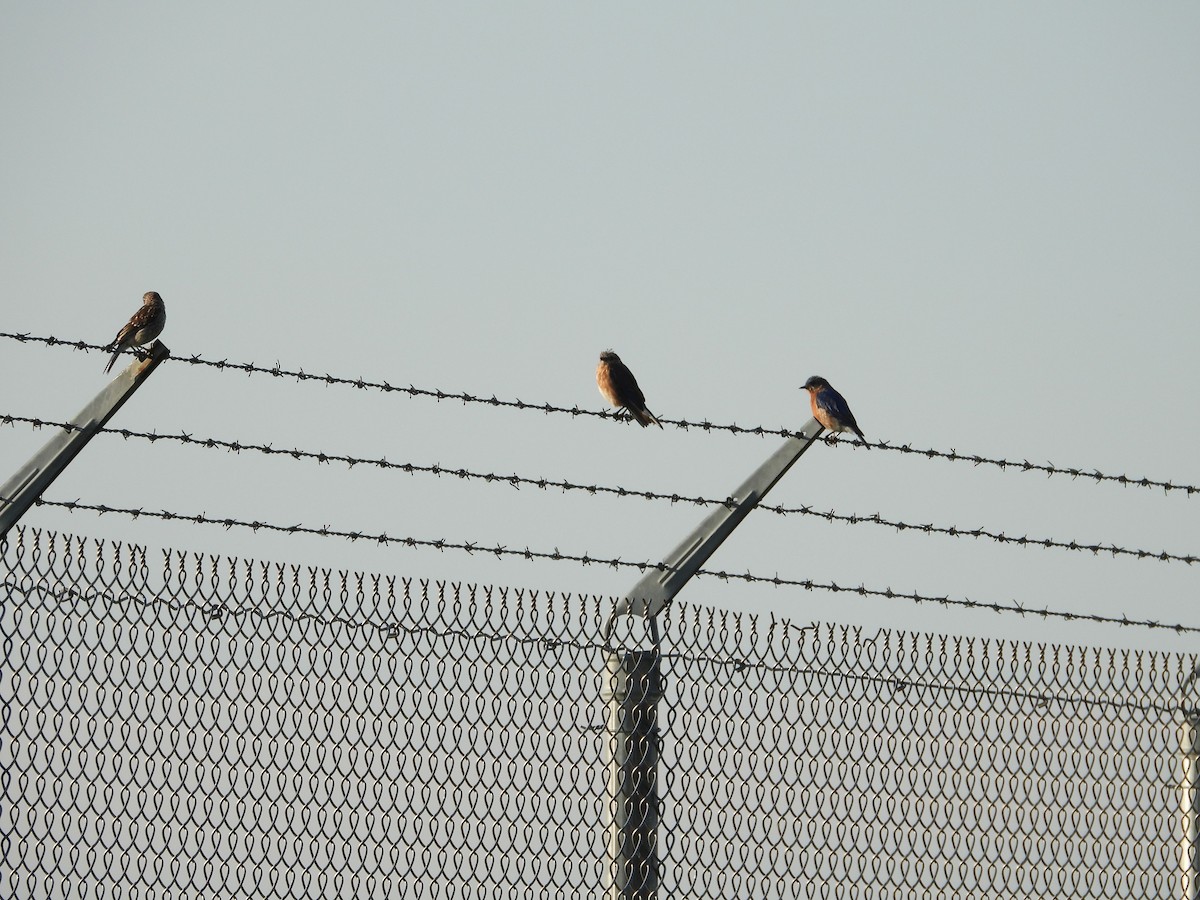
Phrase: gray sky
x=981 y=224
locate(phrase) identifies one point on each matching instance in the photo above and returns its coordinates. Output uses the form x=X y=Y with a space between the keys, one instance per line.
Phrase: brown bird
x=620 y=388
x=145 y=325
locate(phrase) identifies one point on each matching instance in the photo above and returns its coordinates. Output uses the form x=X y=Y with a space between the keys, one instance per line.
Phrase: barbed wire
x=277 y=371
x=501 y=551
x=517 y=481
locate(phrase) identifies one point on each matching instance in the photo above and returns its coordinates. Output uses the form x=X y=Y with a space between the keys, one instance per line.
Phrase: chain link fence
x=182 y=725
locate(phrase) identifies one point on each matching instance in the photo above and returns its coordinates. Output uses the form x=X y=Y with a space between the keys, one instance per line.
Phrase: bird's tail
x=858 y=431
x=116 y=353
x=645 y=417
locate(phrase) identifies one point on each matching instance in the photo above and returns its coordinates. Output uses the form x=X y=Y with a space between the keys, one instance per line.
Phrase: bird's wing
x=833 y=403
x=626 y=386
x=124 y=334
x=143 y=317
x=136 y=322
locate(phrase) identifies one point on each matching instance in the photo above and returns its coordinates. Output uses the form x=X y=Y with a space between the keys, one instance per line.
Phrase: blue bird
x=829 y=407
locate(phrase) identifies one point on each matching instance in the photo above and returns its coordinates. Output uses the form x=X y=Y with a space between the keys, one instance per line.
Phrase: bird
x=144 y=326
x=620 y=388
x=829 y=407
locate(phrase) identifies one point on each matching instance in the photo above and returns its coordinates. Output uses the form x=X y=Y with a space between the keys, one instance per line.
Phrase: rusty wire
x=518 y=481
x=501 y=551
x=277 y=371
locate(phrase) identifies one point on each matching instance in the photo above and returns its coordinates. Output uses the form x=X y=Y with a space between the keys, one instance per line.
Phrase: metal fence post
x=635 y=683
x=1189 y=734
x=633 y=691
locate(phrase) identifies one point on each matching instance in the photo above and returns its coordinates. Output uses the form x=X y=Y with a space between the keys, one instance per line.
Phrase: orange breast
x=604 y=382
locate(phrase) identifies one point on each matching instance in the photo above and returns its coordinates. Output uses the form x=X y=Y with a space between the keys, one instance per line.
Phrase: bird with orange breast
x=620 y=388
x=829 y=407
x=144 y=326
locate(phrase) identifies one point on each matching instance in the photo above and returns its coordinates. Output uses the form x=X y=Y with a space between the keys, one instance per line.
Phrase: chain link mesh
x=180 y=725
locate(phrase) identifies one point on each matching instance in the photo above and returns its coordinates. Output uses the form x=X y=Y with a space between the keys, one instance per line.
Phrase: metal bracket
x=655 y=590
x=23 y=489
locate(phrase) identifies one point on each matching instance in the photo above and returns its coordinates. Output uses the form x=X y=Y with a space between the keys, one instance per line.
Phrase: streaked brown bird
x=145 y=325
x=620 y=388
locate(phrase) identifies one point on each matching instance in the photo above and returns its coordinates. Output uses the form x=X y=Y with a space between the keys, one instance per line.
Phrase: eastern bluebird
x=145 y=325
x=620 y=388
x=829 y=407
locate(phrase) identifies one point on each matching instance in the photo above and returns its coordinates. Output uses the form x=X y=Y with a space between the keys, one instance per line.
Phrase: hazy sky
x=980 y=223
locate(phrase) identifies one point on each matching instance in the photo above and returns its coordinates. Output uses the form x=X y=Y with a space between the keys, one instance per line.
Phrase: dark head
x=816 y=383
x=151 y=297
x=609 y=357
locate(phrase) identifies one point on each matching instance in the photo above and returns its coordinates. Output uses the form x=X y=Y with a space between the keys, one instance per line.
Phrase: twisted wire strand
x=277 y=371
x=517 y=481
x=392 y=629
x=501 y=551
x=386 y=628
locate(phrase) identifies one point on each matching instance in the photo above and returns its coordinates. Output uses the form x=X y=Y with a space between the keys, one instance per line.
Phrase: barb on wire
x=997 y=536
x=501 y=551
x=952 y=455
x=517 y=481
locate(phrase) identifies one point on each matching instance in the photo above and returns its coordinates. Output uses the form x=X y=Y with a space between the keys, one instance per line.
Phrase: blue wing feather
x=833 y=403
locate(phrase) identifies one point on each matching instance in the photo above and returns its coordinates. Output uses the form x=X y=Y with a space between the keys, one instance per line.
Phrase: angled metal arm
x=657 y=587
x=24 y=488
